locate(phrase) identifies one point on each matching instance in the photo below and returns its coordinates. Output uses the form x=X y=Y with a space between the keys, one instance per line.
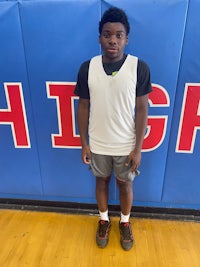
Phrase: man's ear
x=126 y=39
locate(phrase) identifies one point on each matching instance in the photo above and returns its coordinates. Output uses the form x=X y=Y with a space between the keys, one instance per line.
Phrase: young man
x=113 y=107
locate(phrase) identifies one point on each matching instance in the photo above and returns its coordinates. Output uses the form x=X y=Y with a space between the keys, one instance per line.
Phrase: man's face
x=113 y=40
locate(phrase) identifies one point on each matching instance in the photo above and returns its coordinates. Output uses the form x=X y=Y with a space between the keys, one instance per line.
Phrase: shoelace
x=103 y=226
x=126 y=231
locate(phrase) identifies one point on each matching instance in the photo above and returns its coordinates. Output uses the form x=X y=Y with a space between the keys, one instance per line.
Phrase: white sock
x=104 y=215
x=124 y=218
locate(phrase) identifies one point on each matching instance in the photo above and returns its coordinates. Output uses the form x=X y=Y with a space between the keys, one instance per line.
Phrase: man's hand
x=86 y=155
x=134 y=158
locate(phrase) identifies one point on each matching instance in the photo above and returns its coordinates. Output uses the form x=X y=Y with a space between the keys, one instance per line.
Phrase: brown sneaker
x=126 y=236
x=102 y=233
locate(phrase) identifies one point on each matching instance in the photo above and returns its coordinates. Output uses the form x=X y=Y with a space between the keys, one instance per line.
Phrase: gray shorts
x=102 y=166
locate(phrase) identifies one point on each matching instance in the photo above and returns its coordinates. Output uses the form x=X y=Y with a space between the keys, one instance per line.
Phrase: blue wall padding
x=43 y=44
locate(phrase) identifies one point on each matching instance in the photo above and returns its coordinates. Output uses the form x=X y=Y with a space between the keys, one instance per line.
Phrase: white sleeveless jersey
x=112 y=107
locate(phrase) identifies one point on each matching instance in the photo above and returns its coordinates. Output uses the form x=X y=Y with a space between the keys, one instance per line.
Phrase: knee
x=124 y=186
x=102 y=182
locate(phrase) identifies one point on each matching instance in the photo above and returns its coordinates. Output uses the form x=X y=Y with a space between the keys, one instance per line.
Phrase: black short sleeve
x=143 y=79
x=81 y=88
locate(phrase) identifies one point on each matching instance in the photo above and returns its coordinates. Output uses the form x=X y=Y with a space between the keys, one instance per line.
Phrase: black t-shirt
x=143 y=86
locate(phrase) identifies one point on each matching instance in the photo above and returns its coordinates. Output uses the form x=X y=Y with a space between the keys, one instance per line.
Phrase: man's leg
x=102 y=194
x=125 y=196
x=126 y=200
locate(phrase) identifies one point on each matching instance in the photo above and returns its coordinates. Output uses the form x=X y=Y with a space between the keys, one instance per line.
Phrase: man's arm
x=83 y=121
x=141 y=114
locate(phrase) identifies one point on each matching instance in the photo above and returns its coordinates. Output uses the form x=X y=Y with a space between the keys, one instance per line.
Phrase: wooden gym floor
x=48 y=239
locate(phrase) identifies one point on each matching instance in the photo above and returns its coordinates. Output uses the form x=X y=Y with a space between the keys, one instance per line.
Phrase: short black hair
x=114 y=14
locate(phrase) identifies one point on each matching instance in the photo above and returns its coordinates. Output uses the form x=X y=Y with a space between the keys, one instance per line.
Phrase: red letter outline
x=181 y=121
x=19 y=85
x=73 y=98
x=163 y=101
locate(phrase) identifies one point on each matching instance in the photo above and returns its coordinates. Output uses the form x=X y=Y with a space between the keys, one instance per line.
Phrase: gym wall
x=42 y=45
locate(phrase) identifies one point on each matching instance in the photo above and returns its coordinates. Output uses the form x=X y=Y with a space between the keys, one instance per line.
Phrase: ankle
x=104 y=215
x=124 y=218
